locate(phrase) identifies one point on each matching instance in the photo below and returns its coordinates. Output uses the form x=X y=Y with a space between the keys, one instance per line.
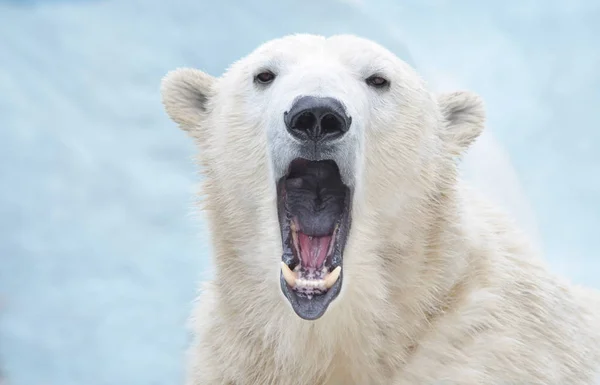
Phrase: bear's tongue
x=314 y=250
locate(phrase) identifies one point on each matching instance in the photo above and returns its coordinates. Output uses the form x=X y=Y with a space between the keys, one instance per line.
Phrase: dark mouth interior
x=314 y=215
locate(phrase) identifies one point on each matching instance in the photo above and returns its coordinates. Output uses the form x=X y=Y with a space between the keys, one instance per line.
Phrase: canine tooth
x=332 y=277
x=288 y=275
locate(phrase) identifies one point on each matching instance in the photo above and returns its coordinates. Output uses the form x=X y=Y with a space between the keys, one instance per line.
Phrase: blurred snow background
x=99 y=254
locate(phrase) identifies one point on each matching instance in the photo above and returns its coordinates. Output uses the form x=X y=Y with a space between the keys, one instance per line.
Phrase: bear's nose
x=317 y=119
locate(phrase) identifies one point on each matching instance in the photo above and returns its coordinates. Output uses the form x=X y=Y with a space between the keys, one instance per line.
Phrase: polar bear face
x=311 y=142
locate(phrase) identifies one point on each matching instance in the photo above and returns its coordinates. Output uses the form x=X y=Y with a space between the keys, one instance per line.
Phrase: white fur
x=439 y=288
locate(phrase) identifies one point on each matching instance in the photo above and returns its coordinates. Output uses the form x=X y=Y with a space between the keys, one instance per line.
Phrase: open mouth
x=314 y=216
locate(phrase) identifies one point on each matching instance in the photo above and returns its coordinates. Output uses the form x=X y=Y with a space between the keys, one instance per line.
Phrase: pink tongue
x=313 y=250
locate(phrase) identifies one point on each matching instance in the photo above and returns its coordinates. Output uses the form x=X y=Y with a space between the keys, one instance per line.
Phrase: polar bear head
x=317 y=152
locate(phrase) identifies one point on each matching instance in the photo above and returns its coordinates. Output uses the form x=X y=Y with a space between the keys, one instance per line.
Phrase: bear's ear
x=185 y=94
x=464 y=114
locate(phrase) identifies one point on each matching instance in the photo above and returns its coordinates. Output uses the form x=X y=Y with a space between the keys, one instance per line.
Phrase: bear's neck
x=382 y=288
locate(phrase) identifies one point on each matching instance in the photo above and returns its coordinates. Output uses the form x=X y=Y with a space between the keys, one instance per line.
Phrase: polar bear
x=347 y=249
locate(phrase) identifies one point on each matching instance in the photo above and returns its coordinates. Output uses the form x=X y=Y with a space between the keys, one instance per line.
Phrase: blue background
x=100 y=250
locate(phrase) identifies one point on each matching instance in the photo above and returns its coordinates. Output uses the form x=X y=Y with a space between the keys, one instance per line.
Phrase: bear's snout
x=317 y=119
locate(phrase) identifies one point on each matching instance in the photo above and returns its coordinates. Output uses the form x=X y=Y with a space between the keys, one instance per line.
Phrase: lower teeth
x=309 y=283
x=295 y=281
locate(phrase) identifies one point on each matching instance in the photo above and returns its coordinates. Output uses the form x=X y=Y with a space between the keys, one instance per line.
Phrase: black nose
x=317 y=119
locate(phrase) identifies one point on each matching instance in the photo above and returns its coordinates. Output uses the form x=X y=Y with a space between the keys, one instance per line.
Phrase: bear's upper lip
x=314 y=216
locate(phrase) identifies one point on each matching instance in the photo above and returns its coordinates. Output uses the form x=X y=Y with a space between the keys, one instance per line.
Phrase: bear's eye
x=377 y=81
x=265 y=77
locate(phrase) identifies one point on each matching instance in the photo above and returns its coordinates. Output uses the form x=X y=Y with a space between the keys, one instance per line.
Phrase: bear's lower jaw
x=311 y=307
x=314 y=216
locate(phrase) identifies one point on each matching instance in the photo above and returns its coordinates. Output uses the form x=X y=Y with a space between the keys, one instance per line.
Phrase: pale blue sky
x=100 y=254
